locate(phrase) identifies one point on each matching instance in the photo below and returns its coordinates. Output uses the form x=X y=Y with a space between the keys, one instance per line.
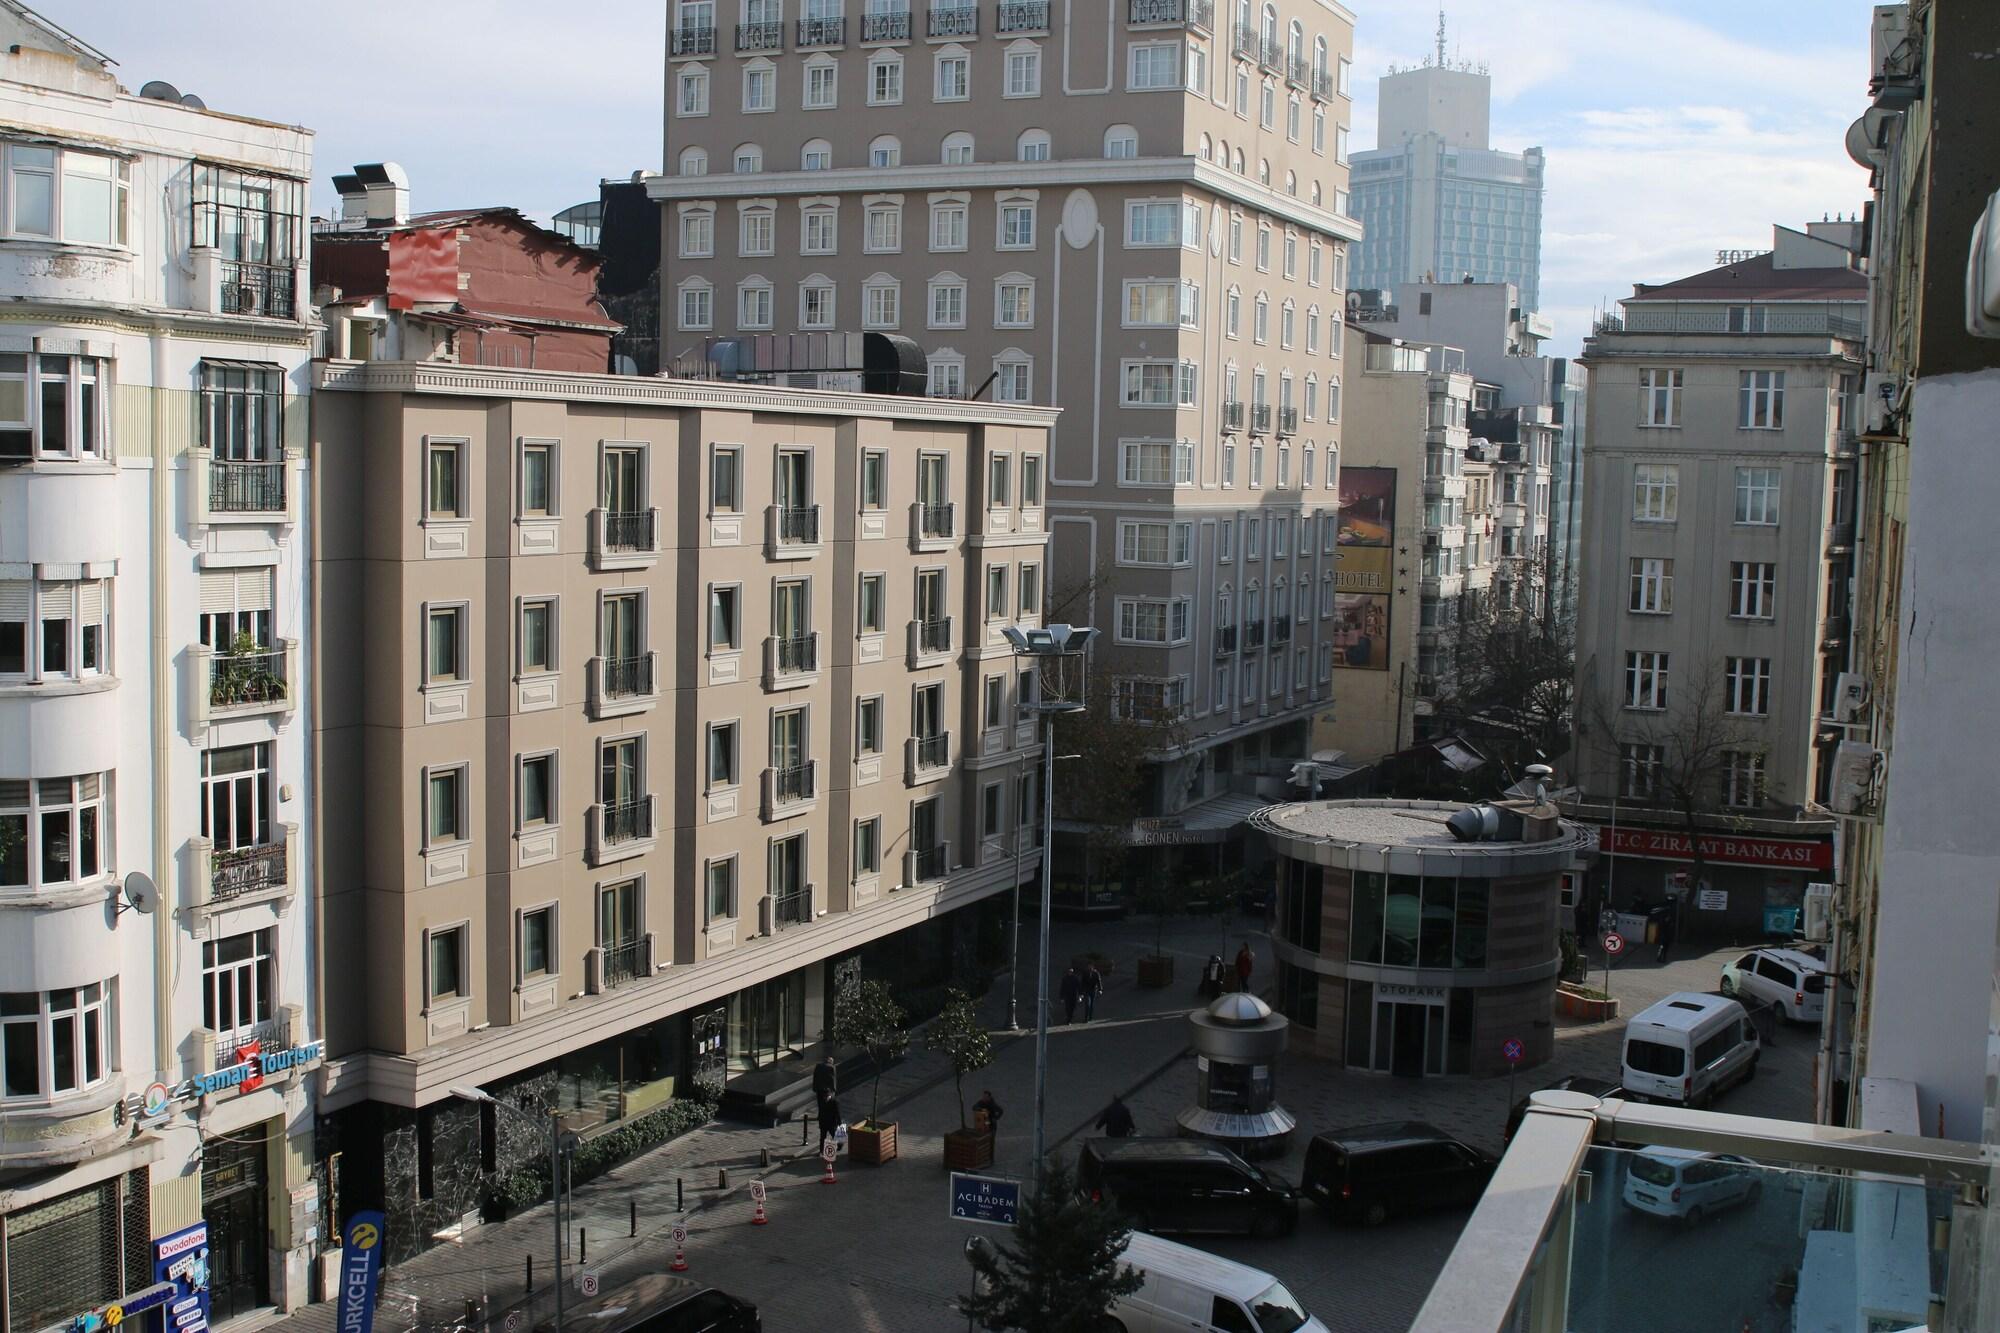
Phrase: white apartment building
x=158 y=1003
x=1135 y=210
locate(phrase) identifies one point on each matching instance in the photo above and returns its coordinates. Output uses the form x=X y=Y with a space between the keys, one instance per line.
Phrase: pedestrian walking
x=1246 y=962
x=993 y=1111
x=1093 y=986
x=1117 y=1118
x=1072 y=993
x=826 y=1078
x=829 y=1120
x=1667 y=928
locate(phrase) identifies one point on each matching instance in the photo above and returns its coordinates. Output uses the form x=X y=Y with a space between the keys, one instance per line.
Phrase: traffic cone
x=680 y=1263
x=758 y=1219
x=828 y=1179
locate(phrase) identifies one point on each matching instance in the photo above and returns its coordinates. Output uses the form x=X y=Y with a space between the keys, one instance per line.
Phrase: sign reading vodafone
x=1722 y=848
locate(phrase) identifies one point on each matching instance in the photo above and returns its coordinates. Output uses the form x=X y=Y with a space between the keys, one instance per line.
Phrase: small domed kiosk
x=1237 y=1041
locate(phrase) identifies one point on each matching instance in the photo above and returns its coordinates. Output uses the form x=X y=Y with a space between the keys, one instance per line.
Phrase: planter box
x=1156 y=973
x=965 y=1149
x=1588 y=1008
x=872 y=1144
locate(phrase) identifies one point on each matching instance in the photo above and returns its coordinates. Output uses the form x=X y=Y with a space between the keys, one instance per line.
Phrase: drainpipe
x=160 y=614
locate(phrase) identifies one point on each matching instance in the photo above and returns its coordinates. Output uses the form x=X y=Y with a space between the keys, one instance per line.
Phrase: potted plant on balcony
x=956 y=1034
x=866 y=1015
x=243 y=674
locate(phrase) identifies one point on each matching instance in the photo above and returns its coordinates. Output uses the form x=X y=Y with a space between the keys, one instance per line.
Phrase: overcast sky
x=1673 y=128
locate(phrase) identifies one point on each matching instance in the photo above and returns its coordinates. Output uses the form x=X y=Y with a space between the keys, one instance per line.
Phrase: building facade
x=675 y=698
x=1718 y=524
x=158 y=975
x=1136 y=212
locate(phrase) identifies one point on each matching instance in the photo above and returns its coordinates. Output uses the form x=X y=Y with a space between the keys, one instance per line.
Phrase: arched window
x=1316 y=193
x=1239 y=162
x=1032 y=146
x=817 y=155
x=1263 y=171
x=694 y=161
x=1207 y=149
x=748 y=157
x=1292 y=183
x=1244 y=21
x=1225 y=605
x=1295 y=45
x=1271 y=27
x=1121 y=141
x=957 y=149
x=885 y=150
x=1319 y=58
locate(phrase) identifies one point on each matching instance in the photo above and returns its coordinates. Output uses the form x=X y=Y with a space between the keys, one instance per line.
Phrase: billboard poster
x=1364 y=571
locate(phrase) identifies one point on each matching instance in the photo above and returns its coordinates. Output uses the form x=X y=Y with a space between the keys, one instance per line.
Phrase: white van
x=1686 y=1185
x=1189 y=1289
x=1688 y=1048
x=1793 y=981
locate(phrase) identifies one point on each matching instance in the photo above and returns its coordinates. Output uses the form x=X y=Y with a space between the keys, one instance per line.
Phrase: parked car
x=1688 y=1049
x=1687 y=1186
x=1792 y=981
x=1366 y=1173
x=662 y=1303
x=1595 y=1087
x=1185 y=1185
x=1188 y=1288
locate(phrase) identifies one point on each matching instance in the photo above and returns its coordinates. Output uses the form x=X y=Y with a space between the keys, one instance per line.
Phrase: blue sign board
x=985 y=1199
x=182 y=1259
x=360 y=1271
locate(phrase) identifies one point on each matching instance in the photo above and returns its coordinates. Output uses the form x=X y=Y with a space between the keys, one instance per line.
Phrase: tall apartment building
x=158 y=989
x=1439 y=202
x=1718 y=523
x=674 y=703
x=1135 y=210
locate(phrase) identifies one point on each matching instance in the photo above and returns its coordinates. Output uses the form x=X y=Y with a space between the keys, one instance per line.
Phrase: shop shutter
x=13 y=599
x=90 y=599
x=237 y=590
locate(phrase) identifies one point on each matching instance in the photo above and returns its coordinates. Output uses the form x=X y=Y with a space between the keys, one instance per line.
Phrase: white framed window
x=1015 y=378
x=1032 y=146
x=1260 y=318
x=1760 y=399
x=1646 y=680
x=1150 y=543
x=754 y=305
x=1656 y=489
x=816 y=304
x=1156 y=462
x=1153 y=65
x=948 y=229
x=1287 y=324
x=760 y=87
x=1267 y=105
x=756 y=232
x=1753 y=589
x=1121 y=141
x=445 y=815
x=536 y=636
x=1344 y=77
x=1228 y=464
x=1152 y=222
x=868 y=846
x=1747 y=682
x=1660 y=396
x=53 y=831
x=819 y=231
x=1017 y=226
x=1332 y=414
x=719 y=888
x=881 y=303
x=947 y=375
x=816 y=155
x=885 y=150
x=1014 y=302
x=1639 y=767
x=698 y=234
x=1232 y=313
x=1743 y=779
x=822 y=84
x=952 y=76
x=238 y=989
x=1652 y=586
x=724 y=754
x=1294 y=115
x=1309 y=409
x=694 y=161
x=947 y=302
x=1340 y=144
x=56 y=1042
x=748 y=159
x=1024 y=71
x=1291 y=265
x=1757 y=496
x=693 y=96
x=1149 y=701
x=882 y=233
x=1159 y=383
x=1197 y=70
x=1263 y=247
x=725 y=479
x=697 y=304
x=1151 y=621
x=885 y=79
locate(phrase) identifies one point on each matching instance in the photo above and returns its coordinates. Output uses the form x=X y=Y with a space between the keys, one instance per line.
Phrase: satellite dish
x=159 y=90
x=192 y=102
x=141 y=894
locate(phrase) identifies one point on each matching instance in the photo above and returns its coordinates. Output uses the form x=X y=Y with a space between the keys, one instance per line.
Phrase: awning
x=1211 y=821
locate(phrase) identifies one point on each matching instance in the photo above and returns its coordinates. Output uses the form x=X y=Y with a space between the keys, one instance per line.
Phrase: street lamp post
x=555 y=1173
x=1014 y=950
x=1057 y=643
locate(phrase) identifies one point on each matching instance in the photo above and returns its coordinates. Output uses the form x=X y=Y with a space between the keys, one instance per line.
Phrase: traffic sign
x=1614 y=943
x=991 y=1199
x=513 y=1322
x=1511 y=1050
x=680 y=1235
x=828 y=1149
x=586 y=1282
x=756 y=1191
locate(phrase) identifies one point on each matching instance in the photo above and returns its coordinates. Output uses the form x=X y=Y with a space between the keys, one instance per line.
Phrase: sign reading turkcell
x=360 y=1271
x=985 y=1199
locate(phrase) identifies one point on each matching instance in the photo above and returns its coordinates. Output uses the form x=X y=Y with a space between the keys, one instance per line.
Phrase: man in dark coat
x=1072 y=993
x=825 y=1078
x=1093 y=986
x=1117 y=1118
x=829 y=1120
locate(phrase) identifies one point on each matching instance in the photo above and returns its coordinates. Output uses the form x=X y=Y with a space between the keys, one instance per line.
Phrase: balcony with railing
x=792 y=532
x=694 y=40
x=1253 y=636
x=1288 y=421
x=930 y=641
x=619 y=963
x=791 y=661
x=1260 y=418
x=620 y=686
x=233 y=876
x=887 y=27
x=926 y=865
x=624 y=539
x=933 y=527
x=245 y=680
x=1322 y=85
x=1245 y=42
x=1840 y=536
x=1225 y=640
x=1271 y=55
x=258 y=289
x=1171 y=13
x=1232 y=414
x=1297 y=72
x=621 y=829
x=246 y=485
x=1281 y=630
x=273 y=1034
x=788 y=907
x=1023 y=16
x=928 y=757
x=953 y=21
x=789 y=790
x=821 y=32
x=760 y=37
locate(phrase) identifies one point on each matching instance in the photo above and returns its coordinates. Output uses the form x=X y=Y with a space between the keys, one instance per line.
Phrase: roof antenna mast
x=1440 y=37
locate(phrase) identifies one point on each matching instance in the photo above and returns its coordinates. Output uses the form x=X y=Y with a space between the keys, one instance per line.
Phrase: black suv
x=1366 y=1173
x=659 y=1303
x=1185 y=1185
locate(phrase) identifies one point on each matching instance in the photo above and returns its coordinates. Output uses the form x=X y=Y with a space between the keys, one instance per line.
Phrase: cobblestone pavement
x=876 y=1251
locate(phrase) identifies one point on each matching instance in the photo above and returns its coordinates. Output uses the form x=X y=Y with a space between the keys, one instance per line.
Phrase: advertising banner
x=1364 y=573
x=360 y=1272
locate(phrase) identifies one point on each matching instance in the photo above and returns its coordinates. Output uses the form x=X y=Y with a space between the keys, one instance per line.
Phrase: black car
x=1595 y=1087
x=1366 y=1173
x=659 y=1303
x=1185 y=1185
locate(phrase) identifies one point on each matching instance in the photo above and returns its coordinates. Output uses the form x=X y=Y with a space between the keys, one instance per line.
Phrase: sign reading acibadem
x=1364 y=573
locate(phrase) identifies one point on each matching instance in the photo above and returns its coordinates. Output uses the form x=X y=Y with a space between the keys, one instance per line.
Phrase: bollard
x=634 y=1201
x=763 y=1157
x=722 y=1178
x=582 y=1244
x=802 y=1129
x=531 y=1273
x=680 y=1195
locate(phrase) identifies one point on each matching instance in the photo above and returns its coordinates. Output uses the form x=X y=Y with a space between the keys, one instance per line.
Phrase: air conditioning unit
x=1818 y=921
x=1854 y=768
x=1850 y=697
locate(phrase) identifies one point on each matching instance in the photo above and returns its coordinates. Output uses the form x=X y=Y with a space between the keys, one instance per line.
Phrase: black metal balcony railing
x=257 y=289
x=1024 y=16
x=1288 y=421
x=634 y=531
x=626 y=677
x=792 y=909
x=694 y=41
x=272 y=1034
x=245 y=486
x=799 y=525
x=237 y=872
x=1253 y=635
x=792 y=784
x=934 y=636
x=626 y=820
x=1281 y=630
x=1197 y=13
x=886 y=27
x=1232 y=414
x=931 y=862
x=799 y=653
x=1260 y=418
x=236 y=680
x=1295 y=71
x=934 y=751
x=1246 y=43
x=1225 y=640
x=935 y=520
x=760 y=36
x=627 y=960
x=1271 y=54
x=954 y=21
x=1322 y=85
x=822 y=32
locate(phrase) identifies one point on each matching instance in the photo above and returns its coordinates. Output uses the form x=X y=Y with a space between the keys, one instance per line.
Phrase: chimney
x=387 y=188
x=353 y=199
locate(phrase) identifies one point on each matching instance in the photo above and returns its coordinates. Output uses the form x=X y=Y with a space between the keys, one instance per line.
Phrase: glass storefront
x=1418 y=921
x=1411 y=1030
x=629 y=1075
x=767 y=1022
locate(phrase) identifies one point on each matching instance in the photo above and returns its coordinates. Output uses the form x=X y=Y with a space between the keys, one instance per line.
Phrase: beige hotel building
x=1135 y=210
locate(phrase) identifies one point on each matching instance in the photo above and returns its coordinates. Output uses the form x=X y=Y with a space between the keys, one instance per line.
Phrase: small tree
x=1060 y=1270
x=867 y=1015
x=956 y=1034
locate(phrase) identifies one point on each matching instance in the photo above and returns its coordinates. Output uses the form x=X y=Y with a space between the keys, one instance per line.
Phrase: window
x=1153 y=222
x=1267 y=105
x=956 y=149
x=749 y=159
x=537 y=792
x=954 y=77
x=816 y=155
x=1197 y=70
x=881 y=305
x=1287 y=323
x=999 y=481
x=720 y=892
x=725 y=480
x=1655 y=492
x=1760 y=398
x=1121 y=141
x=1016 y=380
x=538 y=932
x=1646 y=680
x=1746 y=319
x=868 y=846
x=885 y=150
x=241 y=421
x=1748 y=681
x=1153 y=621
x=444 y=644
x=1260 y=320
x=868 y=725
x=997 y=605
x=722 y=754
x=724 y=620
x=1757 y=495
x=52 y=831
x=1031 y=481
x=1032 y=146
x=756 y=233
x=1639 y=766
x=753 y=306
x=1149 y=700
x=816 y=305
x=1014 y=304
x=1742 y=779
x=694 y=97
x=1153 y=65
x=1024 y=71
x=537 y=499
x=874 y=479
x=1232 y=313
x=1156 y=462
x=1030 y=585
x=697 y=305
x=1263 y=248
x=819 y=231
x=1660 y=397
x=1160 y=383
x=1753 y=589
x=947 y=376
x=1161 y=304
x=1155 y=543
x=872 y=604
x=538 y=651
x=1017 y=226
x=1294 y=118
x=885 y=81
x=760 y=88
x=1652 y=590
x=948 y=226
x=53 y=1042
x=1291 y=265
x=822 y=85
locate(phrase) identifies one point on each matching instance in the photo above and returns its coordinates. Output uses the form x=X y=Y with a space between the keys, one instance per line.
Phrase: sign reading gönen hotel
x=1364 y=573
